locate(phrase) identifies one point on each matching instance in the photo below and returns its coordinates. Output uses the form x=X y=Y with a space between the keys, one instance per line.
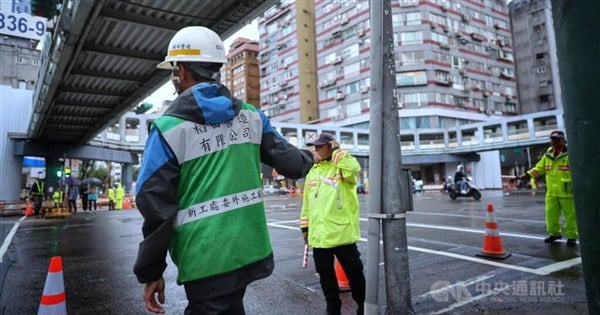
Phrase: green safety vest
x=221 y=223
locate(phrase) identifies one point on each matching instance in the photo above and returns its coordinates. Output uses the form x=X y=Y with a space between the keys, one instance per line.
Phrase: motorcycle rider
x=460 y=179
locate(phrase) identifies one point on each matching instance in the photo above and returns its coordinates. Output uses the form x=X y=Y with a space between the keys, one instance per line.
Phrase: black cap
x=557 y=134
x=323 y=138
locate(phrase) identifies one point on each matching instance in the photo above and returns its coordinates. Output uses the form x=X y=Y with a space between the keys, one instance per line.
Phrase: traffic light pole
x=576 y=25
x=388 y=192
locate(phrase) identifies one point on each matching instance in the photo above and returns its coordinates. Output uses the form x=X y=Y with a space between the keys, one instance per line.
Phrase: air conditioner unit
x=364 y=89
x=361 y=32
x=340 y=96
x=336 y=34
x=461 y=70
x=445 y=46
x=445 y=6
x=344 y=21
x=506 y=73
x=337 y=60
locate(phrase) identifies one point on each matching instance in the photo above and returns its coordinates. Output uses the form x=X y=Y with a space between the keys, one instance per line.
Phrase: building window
x=411 y=78
x=21 y=60
x=540 y=70
x=544 y=98
x=414 y=100
x=539 y=56
x=411 y=38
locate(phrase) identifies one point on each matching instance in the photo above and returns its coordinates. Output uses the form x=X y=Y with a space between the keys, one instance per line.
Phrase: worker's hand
x=151 y=290
x=305 y=237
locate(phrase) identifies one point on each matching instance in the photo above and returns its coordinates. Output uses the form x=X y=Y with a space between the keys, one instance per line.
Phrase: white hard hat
x=194 y=44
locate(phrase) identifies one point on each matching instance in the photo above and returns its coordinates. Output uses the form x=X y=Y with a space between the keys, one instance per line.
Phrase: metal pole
x=388 y=199
x=577 y=48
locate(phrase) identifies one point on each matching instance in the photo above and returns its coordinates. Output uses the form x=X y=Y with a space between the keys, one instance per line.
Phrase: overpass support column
x=122 y=128
x=577 y=45
x=127 y=177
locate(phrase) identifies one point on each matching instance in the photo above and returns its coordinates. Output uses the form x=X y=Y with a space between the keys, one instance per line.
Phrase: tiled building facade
x=535 y=55
x=454 y=62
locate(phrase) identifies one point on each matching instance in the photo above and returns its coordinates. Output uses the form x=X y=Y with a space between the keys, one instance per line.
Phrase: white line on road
x=542 y=271
x=469 y=300
x=411 y=213
x=448 y=288
x=8 y=238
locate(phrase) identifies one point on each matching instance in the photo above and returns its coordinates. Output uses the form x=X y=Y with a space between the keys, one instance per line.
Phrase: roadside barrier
x=492 y=243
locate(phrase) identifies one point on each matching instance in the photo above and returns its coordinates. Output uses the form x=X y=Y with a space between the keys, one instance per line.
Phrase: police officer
x=559 y=190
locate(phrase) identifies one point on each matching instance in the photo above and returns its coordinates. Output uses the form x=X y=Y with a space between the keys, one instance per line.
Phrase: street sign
x=16 y=20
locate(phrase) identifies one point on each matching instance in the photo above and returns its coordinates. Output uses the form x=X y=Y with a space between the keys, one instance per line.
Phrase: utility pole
x=576 y=25
x=388 y=188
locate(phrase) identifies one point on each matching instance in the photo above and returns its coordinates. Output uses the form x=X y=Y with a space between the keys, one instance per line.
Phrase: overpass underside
x=99 y=61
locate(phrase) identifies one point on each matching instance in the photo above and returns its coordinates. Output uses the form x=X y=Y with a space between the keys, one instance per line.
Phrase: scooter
x=471 y=190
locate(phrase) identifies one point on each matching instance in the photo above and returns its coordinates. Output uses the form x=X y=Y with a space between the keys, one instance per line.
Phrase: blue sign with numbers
x=22 y=25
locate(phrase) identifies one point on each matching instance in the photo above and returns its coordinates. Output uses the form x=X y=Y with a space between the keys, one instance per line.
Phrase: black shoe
x=551 y=239
x=571 y=242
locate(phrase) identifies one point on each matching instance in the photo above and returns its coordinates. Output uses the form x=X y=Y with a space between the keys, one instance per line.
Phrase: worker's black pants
x=232 y=304
x=349 y=258
x=37 y=204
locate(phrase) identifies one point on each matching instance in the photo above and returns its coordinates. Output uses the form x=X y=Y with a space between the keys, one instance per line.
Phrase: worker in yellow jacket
x=120 y=195
x=329 y=220
x=559 y=189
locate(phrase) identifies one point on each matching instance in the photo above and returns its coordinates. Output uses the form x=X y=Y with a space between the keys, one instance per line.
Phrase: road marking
x=469 y=300
x=8 y=238
x=542 y=271
x=465 y=283
x=411 y=213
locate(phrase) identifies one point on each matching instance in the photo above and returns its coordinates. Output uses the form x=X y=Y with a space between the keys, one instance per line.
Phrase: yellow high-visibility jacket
x=558 y=173
x=330 y=210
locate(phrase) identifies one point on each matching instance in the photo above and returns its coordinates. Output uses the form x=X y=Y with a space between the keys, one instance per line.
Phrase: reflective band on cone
x=53 y=300
x=492 y=243
x=342 y=280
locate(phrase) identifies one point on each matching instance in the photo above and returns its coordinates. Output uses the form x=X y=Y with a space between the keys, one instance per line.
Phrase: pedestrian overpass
x=495 y=134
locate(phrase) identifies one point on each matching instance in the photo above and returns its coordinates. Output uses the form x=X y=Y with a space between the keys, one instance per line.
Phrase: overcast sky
x=166 y=92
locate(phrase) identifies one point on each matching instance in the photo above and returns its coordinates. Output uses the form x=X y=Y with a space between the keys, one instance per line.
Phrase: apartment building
x=536 y=61
x=241 y=74
x=454 y=65
x=452 y=57
x=20 y=62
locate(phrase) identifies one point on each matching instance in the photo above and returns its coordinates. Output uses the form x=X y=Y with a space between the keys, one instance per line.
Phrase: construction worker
x=38 y=193
x=112 y=198
x=199 y=188
x=559 y=190
x=329 y=220
x=119 y=196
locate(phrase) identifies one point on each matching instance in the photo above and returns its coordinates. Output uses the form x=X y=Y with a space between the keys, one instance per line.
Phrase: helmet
x=459 y=167
x=194 y=44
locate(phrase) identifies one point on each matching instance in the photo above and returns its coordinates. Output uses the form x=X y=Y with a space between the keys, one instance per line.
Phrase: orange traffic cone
x=492 y=244
x=28 y=210
x=342 y=280
x=53 y=298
